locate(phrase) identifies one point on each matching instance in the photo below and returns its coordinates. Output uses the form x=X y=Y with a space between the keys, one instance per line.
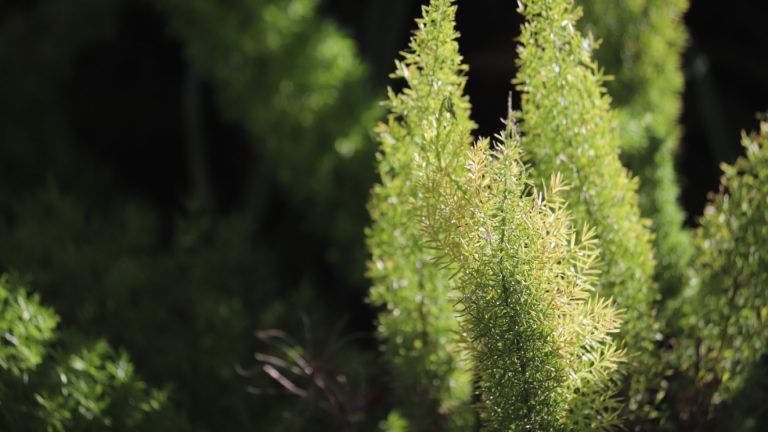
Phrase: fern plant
x=418 y=326
x=569 y=127
x=722 y=313
x=541 y=347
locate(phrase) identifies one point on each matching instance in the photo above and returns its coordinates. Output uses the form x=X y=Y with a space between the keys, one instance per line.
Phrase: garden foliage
x=418 y=327
x=569 y=127
x=722 y=312
x=541 y=345
x=117 y=267
x=60 y=381
x=543 y=355
x=541 y=280
x=483 y=225
x=641 y=44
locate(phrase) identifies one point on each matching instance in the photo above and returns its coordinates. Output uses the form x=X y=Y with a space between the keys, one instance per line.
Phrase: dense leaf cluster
x=181 y=290
x=499 y=307
x=569 y=127
x=418 y=327
x=723 y=311
x=641 y=47
x=541 y=345
x=60 y=381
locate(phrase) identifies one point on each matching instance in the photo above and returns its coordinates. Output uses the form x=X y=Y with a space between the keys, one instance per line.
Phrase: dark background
x=127 y=91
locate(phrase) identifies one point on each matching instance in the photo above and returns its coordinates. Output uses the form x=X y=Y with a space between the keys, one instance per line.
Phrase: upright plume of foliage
x=541 y=344
x=418 y=325
x=641 y=46
x=63 y=382
x=295 y=82
x=725 y=307
x=569 y=127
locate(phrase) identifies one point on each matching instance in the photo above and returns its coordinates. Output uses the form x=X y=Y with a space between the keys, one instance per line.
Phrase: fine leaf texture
x=569 y=127
x=418 y=326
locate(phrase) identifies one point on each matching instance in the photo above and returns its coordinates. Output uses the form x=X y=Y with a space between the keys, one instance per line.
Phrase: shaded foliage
x=722 y=312
x=58 y=381
x=641 y=47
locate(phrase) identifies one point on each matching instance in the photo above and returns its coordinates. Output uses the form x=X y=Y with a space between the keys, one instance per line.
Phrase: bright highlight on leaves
x=419 y=328
x=568 y=127
x=541 y=343
x=62 y=381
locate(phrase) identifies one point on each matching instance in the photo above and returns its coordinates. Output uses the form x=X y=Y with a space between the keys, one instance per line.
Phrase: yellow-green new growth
x=568 y=127
x=541 y=344
x=418 y=326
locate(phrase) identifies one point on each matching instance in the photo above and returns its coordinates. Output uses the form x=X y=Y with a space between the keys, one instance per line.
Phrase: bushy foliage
x=499 y=307
x=295 y=82
x=57 y=381
x=26 y=328
x=418 y=326
x=569 y=127
x=181 y=292
x=641 y=47
x=187 y=300
x=541 y=346
x=722 y=312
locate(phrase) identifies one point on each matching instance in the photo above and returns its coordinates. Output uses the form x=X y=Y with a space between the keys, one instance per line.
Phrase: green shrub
x=641 y=47
x=418 y=327
x=57 y=381
x=541 y=350
x=569 y=127
x=506 y=300
x=721 y=315
x=515 y=260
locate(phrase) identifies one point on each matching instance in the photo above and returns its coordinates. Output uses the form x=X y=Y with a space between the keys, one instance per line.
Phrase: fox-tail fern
x=568 y=127
x=642 y=43
x=541 y=344
x=418 y=326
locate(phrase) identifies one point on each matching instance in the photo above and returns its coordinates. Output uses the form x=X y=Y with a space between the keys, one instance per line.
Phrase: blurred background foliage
x=179 y=173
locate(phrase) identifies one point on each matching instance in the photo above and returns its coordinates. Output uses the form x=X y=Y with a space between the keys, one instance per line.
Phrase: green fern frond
x=568 y=126
x=419 y=328
x=542 y=346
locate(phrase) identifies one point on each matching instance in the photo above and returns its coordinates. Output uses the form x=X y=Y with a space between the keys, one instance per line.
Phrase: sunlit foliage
x=569 y=127
x=418 y=327
x=541 y=344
